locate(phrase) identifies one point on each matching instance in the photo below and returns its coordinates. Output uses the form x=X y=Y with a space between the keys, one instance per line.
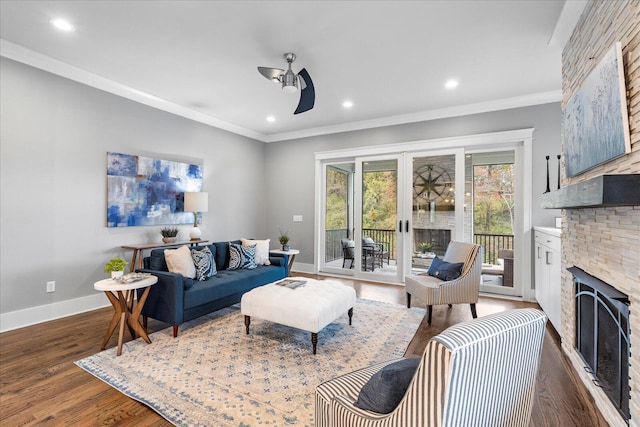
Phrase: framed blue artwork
x=146 y=191
x=595 y=120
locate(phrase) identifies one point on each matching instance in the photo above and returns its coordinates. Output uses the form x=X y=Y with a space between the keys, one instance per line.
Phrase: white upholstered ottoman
x=309 y=307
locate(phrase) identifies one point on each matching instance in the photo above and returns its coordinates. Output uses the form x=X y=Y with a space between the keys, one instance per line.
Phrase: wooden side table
x=121 y=296
x=136 y=258
x=291 y=253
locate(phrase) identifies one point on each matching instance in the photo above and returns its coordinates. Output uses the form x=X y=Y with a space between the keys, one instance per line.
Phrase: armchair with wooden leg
x=463 y=289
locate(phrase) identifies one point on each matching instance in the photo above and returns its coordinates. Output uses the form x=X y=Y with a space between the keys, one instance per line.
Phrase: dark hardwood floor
x=40 y=385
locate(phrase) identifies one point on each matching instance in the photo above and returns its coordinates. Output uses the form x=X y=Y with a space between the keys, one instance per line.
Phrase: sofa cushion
x=179 y=261
x=262 y=250
x=386 y=388
x=204 y=263
x=157 y=261
x=221 y=255
x=444 y=270
x=242 y=256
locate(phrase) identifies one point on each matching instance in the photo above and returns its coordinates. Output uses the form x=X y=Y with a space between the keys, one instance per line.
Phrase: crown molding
x=462 y=110
x=26 y=56
x=54 y=66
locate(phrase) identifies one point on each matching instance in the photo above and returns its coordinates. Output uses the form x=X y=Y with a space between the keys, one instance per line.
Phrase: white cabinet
x=547 y=271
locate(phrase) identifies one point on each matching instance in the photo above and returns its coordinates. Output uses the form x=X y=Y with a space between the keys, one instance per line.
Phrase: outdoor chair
x=477 y=373
x=374 y=252
x=462 y=290
x=348 y=251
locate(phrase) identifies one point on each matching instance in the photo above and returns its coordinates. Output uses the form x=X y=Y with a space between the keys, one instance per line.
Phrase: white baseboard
x=303 y=268
x=44 y=313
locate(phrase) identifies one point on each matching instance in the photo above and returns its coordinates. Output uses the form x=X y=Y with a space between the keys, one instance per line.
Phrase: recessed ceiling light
x=347 y=104
x=271 y=119
x=451 y=84
x=63 y=24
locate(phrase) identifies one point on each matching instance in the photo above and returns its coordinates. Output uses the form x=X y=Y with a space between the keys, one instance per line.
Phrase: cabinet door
x=555 y=286
x=540 y=280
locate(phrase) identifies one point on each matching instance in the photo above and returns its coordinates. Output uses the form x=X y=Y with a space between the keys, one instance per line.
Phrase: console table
x=136 y=258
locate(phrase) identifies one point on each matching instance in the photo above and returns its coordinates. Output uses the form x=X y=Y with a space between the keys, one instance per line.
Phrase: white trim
x=44 y=313
x=567 y=21
x=46 y=63
x=26 y=56
x=462 y=110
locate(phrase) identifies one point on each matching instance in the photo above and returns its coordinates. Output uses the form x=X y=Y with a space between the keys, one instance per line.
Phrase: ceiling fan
x=291 y=81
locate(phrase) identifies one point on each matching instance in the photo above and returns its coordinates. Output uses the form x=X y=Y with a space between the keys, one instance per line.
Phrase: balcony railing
x=491 y=243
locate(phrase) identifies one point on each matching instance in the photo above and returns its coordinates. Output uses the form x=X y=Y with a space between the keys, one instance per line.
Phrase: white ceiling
x=391 y=58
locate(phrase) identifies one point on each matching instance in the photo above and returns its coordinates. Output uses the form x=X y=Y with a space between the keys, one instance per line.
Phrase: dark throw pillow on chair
x=444 y=270
x=386 y=388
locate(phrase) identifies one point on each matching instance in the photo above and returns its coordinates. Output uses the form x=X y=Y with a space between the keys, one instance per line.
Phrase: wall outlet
x=51 y=286
x=297 y=218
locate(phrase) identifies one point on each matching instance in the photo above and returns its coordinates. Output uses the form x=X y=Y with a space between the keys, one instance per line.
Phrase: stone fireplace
x=604 y=241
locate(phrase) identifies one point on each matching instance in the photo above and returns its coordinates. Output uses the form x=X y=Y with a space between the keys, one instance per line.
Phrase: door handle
x=400 y=225
x=407 y=226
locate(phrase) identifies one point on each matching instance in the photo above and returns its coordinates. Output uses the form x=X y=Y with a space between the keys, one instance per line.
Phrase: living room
x=57 y=131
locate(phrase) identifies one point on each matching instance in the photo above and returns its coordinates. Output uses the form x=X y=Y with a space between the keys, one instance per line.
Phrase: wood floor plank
x=40 y=385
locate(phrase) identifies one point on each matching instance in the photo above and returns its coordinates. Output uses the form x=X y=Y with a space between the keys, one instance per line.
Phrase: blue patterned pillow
x=242 y=256
x=203 y=260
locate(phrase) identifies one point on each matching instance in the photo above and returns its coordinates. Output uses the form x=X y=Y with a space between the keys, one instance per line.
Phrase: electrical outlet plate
x=297 y=218
x=51 y=286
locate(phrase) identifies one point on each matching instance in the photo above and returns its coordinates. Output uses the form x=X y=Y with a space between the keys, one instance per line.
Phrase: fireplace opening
x=439 y=239
x=602 y=336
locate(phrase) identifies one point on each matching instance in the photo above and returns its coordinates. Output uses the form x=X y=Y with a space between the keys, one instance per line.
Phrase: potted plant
x=169 y=234
x=284 y=239
x=115 y=266
x=425 y=247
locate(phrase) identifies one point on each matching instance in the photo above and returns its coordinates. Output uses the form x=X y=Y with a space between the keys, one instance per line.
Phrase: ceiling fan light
x=289 y=82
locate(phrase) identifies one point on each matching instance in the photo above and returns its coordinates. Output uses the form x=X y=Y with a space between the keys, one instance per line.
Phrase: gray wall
x=54 y=137
x=294 y=160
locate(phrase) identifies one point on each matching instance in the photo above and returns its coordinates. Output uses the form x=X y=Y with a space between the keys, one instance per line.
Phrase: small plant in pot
x=169 y=234
x=115 y=266
x=425 y=247
x=284 y=239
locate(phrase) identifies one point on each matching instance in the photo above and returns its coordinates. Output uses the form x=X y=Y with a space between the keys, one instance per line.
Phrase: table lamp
x=196 y=202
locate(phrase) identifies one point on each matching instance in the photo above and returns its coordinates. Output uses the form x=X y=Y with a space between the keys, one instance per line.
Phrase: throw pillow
x=262 y=250
x=179 y=261
x=386 y=388
x=203 y=261
x=444 y=270
x=242 y=256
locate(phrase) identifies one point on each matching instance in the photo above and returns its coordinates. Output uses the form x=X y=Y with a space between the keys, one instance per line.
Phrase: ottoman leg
x=314 y=341
x=247 y=322
x=350 y=313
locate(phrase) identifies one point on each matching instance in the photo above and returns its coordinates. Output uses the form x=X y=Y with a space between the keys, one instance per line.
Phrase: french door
x=361 y=217
x=386 y=212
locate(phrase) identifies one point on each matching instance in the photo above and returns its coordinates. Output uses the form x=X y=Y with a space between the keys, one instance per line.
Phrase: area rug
x=213 y=374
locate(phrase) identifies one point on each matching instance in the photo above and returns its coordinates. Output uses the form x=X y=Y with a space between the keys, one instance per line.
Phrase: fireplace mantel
x=601 y=191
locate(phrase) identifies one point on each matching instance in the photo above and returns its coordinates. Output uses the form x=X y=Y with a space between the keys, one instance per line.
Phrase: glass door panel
x=339 y=250
x=434 y=218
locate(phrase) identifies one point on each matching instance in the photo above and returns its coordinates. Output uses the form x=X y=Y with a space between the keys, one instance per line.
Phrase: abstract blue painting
x=595 y=120
x=146 y=191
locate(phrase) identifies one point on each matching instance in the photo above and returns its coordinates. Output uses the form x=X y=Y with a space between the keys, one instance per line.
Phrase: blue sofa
x=176 y=299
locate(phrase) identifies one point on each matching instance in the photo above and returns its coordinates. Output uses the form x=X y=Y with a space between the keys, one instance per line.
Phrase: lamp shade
x=196 y=202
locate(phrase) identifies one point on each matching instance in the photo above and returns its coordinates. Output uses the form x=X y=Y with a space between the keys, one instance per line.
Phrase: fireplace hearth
x=602 y=336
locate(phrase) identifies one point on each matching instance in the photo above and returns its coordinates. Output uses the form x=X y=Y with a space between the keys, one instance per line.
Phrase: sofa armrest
x=165 y=301
x=279 y=259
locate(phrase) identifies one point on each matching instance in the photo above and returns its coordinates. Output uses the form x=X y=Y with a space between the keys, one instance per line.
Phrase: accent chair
x=462 y=290
x=477 y=373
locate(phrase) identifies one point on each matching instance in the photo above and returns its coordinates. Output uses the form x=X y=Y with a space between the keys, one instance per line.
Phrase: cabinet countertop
x=549 y=230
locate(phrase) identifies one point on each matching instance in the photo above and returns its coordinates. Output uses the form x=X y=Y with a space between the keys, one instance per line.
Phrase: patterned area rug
x=215 y=374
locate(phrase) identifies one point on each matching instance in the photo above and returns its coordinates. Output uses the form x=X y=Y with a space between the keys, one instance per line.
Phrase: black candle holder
x=558 y=171
x=548 y=189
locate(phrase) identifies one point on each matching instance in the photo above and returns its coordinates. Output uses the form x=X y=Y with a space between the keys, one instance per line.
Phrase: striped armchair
x=477 y=373
x=463 y=290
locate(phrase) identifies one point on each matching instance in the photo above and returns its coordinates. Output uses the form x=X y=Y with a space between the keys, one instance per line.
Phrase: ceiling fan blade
x=307 y=94
x=271 y=73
